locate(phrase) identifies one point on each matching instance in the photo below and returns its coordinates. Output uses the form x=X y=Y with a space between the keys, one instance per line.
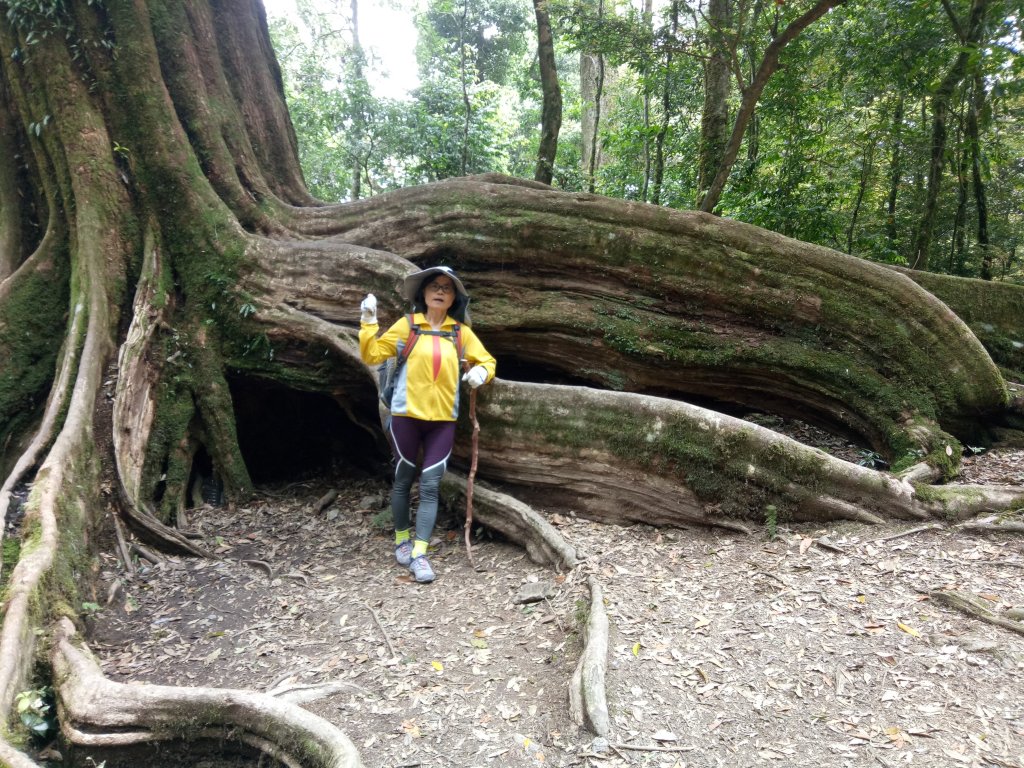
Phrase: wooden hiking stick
x=472 y=473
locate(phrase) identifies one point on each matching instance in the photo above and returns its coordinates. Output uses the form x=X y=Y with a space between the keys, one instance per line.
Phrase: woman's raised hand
x=368 y=310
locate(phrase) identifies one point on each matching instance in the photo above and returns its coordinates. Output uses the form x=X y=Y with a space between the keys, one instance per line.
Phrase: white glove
x=368 y=310
x=475 y=376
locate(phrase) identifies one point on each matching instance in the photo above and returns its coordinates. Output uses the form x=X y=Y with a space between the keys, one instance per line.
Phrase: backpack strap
x=415 y=332
x=411 y=339
x=458 y=343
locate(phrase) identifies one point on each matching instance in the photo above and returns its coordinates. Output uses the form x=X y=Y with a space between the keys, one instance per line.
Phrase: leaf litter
x=724 y=651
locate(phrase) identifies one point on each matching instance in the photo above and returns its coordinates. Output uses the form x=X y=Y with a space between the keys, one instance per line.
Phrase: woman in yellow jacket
x=425 y=404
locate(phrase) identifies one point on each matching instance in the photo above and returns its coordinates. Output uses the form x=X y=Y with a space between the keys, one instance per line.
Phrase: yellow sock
x=401 y=536
x=419 y=547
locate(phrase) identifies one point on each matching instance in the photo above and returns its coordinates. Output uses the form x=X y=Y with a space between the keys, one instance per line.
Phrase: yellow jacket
x=427 y=386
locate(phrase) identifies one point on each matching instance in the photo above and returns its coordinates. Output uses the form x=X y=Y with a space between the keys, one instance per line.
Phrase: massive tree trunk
x=169 y=268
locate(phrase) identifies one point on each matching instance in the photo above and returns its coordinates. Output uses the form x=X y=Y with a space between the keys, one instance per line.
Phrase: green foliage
x=341 y=123
x=497 y=34
x=34 y=16
x=37 y=712
x=837 y=152
x=771 y=521
x=871 y=459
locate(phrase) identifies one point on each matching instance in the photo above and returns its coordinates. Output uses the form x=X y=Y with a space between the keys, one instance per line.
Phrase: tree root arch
x=95 y=711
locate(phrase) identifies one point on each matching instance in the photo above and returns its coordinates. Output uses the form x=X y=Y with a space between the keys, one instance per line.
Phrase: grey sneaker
x=421 y=570
x=403 y=553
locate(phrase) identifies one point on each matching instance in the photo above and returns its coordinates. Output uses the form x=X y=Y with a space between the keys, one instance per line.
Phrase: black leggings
x=436 y=438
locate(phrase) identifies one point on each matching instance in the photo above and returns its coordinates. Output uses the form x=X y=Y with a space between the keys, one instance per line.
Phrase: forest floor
x=816 y=647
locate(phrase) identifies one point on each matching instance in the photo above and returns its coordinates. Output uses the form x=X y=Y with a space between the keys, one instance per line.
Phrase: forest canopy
x=841 y=149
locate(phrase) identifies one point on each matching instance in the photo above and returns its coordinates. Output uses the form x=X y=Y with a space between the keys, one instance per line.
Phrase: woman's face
x=439 y=293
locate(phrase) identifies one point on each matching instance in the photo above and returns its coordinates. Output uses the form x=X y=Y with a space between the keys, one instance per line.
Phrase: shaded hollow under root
x=95 y=711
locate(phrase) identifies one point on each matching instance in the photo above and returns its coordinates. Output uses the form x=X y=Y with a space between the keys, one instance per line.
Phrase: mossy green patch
x=36 y=304
x=735 y=470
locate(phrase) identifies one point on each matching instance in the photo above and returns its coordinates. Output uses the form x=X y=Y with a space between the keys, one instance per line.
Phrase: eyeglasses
x=441 y=287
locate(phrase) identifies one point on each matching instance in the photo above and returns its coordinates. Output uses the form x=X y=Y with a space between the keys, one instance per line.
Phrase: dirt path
x=725 y=650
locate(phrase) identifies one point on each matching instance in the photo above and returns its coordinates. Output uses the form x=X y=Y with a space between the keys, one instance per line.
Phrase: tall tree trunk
x=753 y=133
x=969 y=39
x=958 y=241
x=645 y=187
x=592 y=94
x=714 y=123
x=978 y=181
x=751 y=95
x=592 y=75
x=895 y=171
x=666 y=112
x=467 y=107
x=866 y=167
x=551 y=112
x=357 y=127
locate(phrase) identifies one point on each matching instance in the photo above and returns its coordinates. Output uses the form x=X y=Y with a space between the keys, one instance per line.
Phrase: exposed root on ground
x=95 y=711
x=518 y=522
x=973 y=607
x=992 y=524
x=588 y=701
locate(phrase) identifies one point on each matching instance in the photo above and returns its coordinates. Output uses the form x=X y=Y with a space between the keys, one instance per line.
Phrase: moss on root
x=207 y=322
x=716 y=464
x=35 y=306
x=991 y=309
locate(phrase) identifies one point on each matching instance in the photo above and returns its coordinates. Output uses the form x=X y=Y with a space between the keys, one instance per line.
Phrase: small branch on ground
x=325 y=501
x=651 y=748
x=558 y=619
x=145 y=553
x=122 y=545
x=909 y=532
x=387 y=640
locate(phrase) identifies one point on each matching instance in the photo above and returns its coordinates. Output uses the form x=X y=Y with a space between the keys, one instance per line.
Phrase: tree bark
x=714 y=124
x=895 y=172
x=357 y=51
x=866 y=166
x=977 y=177
x=666 y=111
x=551 y=112
x=752 y=93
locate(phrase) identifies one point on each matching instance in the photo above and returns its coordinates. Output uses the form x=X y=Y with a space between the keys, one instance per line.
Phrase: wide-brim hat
x=411 y=285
